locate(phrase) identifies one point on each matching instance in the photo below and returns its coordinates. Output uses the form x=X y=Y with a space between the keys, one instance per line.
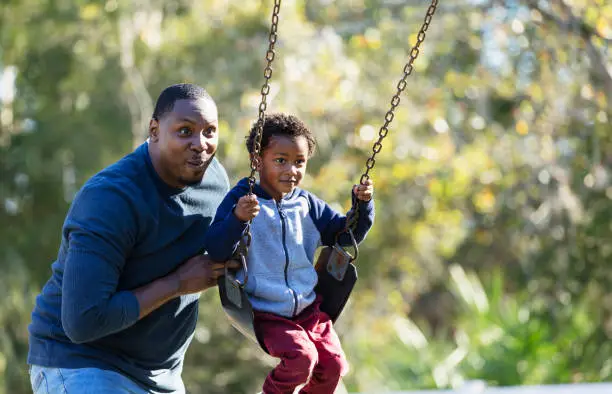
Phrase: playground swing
x=336 y=272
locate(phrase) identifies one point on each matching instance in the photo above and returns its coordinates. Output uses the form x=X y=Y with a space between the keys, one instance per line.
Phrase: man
x=121 y=306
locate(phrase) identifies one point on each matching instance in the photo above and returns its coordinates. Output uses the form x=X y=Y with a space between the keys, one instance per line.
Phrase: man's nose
x=199 y=143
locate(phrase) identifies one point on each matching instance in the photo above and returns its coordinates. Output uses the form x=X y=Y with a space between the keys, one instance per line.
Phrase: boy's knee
x=302 y=362
x=335 y=365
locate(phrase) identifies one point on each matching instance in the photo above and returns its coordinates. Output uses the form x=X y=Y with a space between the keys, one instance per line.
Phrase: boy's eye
x=211 y=130
x=280 y=160
x=300 y=162
x=184 y=131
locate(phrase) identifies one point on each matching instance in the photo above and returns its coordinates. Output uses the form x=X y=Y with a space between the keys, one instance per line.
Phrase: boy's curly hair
x=281 y=124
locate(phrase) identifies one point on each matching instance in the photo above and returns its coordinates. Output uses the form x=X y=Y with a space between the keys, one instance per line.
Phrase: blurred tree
x=493 y=184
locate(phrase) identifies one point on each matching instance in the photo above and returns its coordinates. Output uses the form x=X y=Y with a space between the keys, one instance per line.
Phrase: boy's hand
x=364 y=192
x=247 y=208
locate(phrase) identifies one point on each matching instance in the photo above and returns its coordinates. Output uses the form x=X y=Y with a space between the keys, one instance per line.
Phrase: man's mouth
x=197 y=163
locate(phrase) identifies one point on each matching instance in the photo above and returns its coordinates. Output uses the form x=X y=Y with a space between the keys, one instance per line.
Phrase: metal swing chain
x=265 y=90
x=351 y=221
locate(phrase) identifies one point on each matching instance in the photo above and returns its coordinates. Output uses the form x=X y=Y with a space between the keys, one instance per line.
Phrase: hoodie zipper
x=282 y=217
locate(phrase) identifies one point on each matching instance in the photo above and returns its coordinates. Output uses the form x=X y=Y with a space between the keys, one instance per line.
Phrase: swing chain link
x=401 y=85
x=265 y=90
x=395 y=100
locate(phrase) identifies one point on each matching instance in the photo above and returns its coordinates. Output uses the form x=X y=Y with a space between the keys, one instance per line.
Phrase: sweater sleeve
x=225 y=231
x=329 y=222
x=101 y=231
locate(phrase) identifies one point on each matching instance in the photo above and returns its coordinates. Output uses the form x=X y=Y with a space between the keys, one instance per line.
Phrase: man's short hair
x=278 y=124
x=170 y=95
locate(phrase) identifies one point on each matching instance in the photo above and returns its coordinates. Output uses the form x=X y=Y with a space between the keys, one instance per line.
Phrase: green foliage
x=488 y=259
x=500 y=337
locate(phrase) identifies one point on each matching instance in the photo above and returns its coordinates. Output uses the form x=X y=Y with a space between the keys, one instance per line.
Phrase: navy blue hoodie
x=286 y=234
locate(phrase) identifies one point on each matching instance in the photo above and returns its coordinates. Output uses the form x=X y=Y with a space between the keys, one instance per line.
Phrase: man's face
x=186 y=139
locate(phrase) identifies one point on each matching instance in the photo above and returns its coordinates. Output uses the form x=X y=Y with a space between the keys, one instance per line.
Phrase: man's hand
x=196 y=274
x=247 y=207
x=200 y=273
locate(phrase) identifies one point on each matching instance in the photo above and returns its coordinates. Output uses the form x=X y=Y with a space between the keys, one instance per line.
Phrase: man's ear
x=154 y=130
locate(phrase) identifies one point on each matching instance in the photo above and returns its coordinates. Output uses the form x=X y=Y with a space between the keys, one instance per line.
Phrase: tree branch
x=586 y=32
x=139 y=101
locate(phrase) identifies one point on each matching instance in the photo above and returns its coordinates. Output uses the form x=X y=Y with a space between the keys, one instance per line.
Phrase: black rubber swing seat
x=337 y=276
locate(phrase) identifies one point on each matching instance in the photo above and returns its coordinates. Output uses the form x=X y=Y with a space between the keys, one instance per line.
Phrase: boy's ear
x=258 y=161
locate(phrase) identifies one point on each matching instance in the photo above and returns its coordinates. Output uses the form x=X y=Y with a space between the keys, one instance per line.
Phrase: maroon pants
x=308 y=347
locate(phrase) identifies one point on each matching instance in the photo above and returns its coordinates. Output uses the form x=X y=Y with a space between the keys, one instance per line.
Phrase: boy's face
x=283 y=165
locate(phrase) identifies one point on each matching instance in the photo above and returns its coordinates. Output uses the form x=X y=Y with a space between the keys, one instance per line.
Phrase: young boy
x=288 y=225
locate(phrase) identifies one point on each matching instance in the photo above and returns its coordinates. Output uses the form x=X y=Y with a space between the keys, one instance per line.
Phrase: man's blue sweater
x=125 y=228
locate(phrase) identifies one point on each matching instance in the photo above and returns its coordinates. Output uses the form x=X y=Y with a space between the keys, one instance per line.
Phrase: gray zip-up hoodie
x=286 y=234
